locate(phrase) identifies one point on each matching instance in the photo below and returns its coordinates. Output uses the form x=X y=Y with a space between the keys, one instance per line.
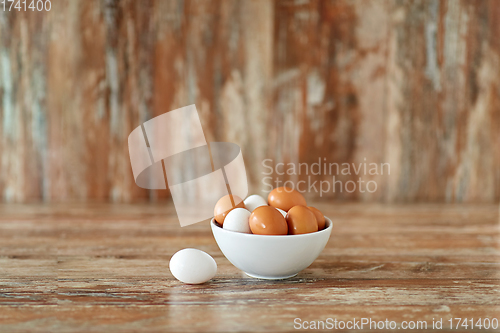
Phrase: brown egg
x=266 y=220
x=320 y=218
x=224 y=206
x=301 y=220
x=285 y=198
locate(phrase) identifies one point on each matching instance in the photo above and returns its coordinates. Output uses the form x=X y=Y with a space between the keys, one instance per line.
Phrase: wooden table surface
x=96 y=267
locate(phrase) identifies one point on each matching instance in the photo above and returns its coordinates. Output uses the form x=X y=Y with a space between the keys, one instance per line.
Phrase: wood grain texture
x=411 y=83
x=95 y=267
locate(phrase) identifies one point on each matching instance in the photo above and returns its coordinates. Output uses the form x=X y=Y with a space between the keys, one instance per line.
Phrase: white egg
x=254 y=201
x=237 y=220
x=282 y=212
x=192 y=266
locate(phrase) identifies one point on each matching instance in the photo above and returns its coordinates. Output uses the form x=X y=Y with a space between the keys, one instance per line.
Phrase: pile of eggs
x=284 y=213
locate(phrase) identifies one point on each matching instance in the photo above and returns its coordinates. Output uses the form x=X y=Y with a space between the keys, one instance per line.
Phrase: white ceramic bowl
x=271 y=257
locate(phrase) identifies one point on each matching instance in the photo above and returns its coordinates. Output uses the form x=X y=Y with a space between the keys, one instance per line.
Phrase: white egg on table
x=254 y=201
x=282 y=212
x=237 y=220
x=192 y=266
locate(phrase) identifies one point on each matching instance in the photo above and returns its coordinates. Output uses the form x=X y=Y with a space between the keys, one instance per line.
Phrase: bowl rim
x=242 y=234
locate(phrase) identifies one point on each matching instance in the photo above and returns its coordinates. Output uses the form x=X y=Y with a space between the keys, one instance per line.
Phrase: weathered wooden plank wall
x=415 y=84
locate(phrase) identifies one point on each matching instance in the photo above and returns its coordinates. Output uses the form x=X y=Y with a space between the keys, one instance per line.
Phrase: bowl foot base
x=270 y=277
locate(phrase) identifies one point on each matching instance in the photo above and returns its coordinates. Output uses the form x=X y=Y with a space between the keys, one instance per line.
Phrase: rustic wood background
x=412 y=83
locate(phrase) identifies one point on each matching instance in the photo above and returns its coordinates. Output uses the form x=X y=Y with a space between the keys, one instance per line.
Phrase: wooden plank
x=413 y=84
x=94 y=267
